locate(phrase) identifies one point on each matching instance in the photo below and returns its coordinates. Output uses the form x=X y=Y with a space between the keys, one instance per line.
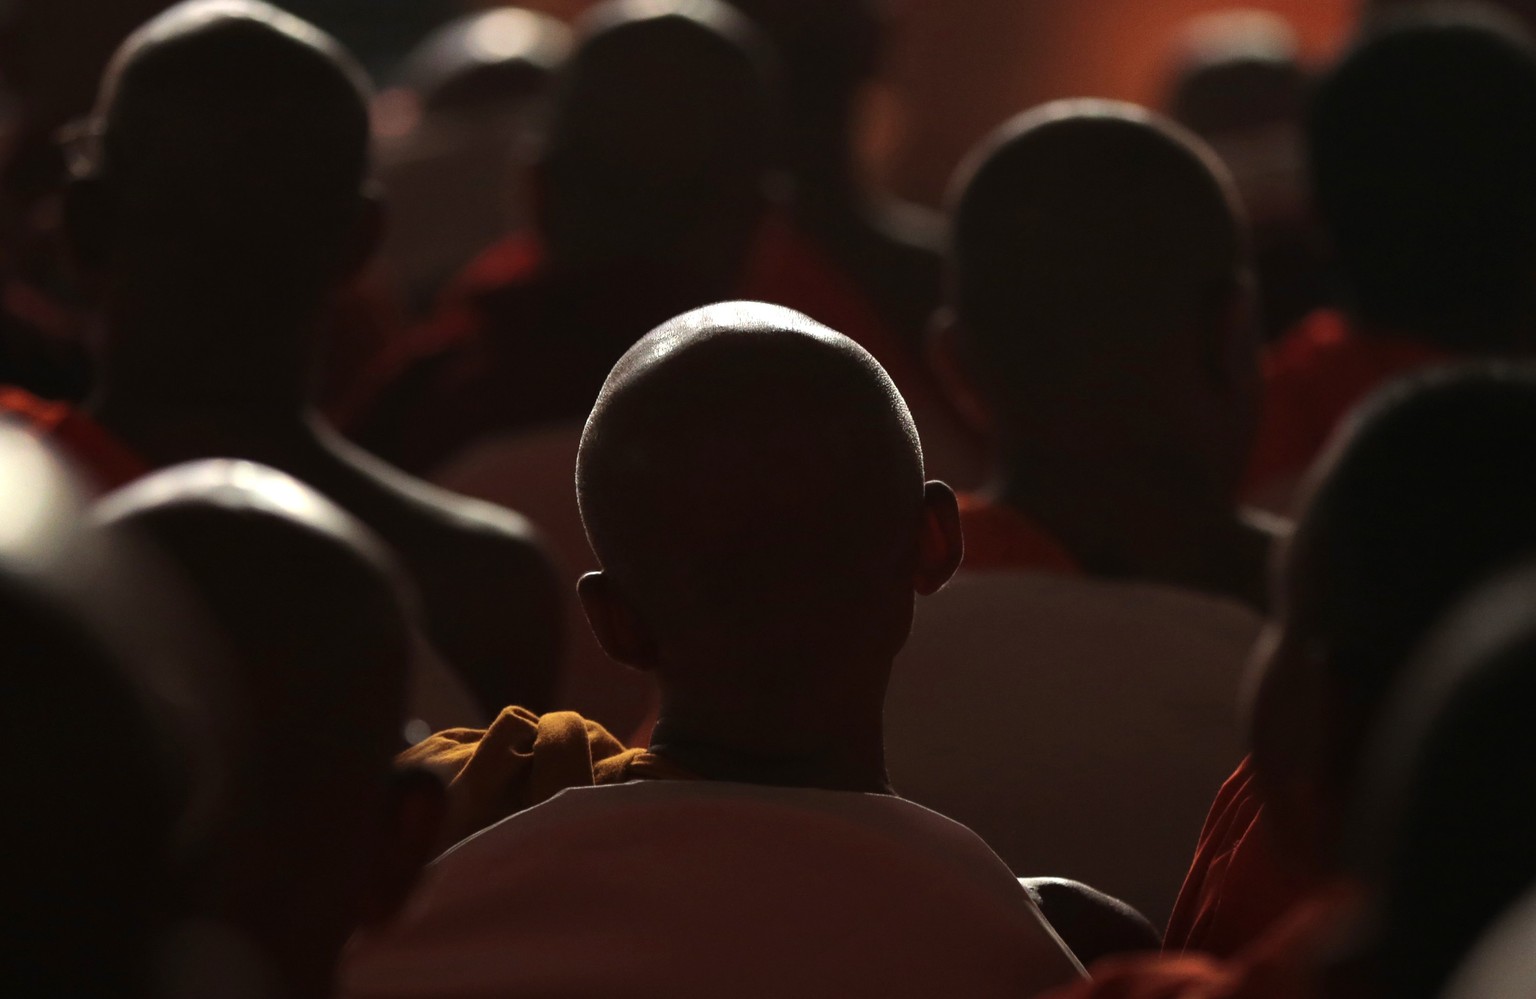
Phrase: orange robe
x=1238 y=887
x=1000 y=538
x=1313 y=377
x=524 y=759
x=1286 y=964
x=104 y=461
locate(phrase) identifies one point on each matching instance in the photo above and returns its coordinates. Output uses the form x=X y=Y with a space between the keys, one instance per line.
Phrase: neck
x=147 y=381
x=170 y=427
x=848 y=755
x=1142 y=519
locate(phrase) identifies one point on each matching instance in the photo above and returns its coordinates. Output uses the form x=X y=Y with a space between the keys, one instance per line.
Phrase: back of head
x=1443 y=831
x=828 y=48
x=1423 y=153
x=1237 y=72
x=1525 y=10
x=1095 y=250
x=658 y=138
x=753 y=486
x=494 y=61
x=311 y=610
x=233 y=150
x=92 y=778
x=1426 y=495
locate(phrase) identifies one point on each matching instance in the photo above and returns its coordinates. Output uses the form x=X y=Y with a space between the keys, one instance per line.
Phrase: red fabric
x=364 y=323
x=1313 y=377
x=1000 y=538
x=1237 y=888
x=105 y=461
x=1283 y=965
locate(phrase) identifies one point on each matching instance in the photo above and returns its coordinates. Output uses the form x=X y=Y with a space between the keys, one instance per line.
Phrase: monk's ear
x=948 y=357
x=614 y=622
x=941 y=548
x=367 y=231
x=416 y=808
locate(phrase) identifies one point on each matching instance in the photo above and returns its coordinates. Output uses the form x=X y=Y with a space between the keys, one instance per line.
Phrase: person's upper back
x=709 y=888
x=220 y=227
x=1058 y=715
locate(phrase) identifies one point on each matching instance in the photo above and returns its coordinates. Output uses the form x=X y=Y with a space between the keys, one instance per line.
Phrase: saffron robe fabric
x=1238 y=887
x=1313 y=377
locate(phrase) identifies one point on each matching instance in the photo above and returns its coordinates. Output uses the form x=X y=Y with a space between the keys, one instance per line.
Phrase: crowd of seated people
x=659 y=565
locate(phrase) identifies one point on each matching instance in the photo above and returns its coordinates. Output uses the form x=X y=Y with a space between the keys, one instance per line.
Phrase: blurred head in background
x=1425 y=495
x=1423 y=163
x=222 y=199
x=658 y=141
x=97 y=775
x=314 y=835
x=457 y=139
x=1103 y=338
x=1442 y=833
x=1237 y=81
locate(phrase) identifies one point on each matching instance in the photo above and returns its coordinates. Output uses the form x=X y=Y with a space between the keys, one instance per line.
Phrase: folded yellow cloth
x=524 y=759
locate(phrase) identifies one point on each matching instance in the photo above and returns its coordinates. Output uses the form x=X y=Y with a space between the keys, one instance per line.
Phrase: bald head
x=487 y=62
x=658 y=136
x=1423 y=149
x=1091 y=234
x=752 y=482
x=232 y=153
x=310 y=608
x=309 y=601
x=1237 y=72
x=1441 y=832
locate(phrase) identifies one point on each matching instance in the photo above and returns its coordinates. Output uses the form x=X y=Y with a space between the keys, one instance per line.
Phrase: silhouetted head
x=313 y=613
x=224 y=183
x=1101 y=290
x=490 y=61
x=1423 y=161
x=94 y=780
x=828 y=49
x=1237 y=71
x=752 y=485
x=658 y=141
x=1426 y=495
x=1443 y=832
x=1525 y=10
